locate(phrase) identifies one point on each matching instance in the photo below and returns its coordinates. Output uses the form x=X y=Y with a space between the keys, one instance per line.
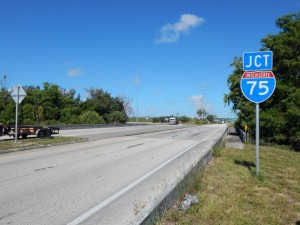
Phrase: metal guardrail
x=241 y=133
x=88 y=126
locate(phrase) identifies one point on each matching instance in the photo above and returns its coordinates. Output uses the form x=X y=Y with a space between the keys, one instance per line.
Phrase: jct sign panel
x=256 y=61
x=258 y=86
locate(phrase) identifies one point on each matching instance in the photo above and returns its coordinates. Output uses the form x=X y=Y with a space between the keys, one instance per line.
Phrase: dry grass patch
x=230 y=193
x=34 y=141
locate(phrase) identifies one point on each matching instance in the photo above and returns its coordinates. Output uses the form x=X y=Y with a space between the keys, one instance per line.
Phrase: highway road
x=110 y=179
x=109 y=132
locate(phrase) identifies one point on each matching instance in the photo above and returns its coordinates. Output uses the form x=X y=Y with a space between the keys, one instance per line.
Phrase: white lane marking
x=98 y=207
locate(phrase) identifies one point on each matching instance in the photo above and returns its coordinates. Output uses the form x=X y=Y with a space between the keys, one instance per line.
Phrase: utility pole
x=137 y=81
x=137 y=103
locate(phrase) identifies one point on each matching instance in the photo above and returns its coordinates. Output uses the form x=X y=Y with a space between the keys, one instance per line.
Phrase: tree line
x=280 y=114
x=53 y=104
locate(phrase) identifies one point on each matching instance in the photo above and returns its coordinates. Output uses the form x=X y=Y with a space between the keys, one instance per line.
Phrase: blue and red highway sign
x=258 y=86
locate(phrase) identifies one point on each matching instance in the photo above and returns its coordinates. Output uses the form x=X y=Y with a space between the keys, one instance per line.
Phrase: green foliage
x=286 y=49
x=197 y=121
x=7 y=114
x=112 y=109
x=70 y=115
x=117 y=117
x=184 y=119
x=295 y=142
x=158 y=120
x=53 y=105
x=201 y=113
x=280 y=114
x=161 y=119
x=216 y=152
x=91 y=117
x=210 y=118
x=28 y=112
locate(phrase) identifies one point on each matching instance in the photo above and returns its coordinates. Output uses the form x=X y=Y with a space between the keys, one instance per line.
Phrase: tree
x=210 y=118
x=201 y=113
x=53 y=104
x=184 y=119
x=7 y=105
x=8 y=114
x=286 y=49
x=126 y=104
x=70 y=112
x=28 y=113
x=117 y=117
x=91 y=117
x=33 y=98
x=240 y=105
x=105 y=105
x=279 y=115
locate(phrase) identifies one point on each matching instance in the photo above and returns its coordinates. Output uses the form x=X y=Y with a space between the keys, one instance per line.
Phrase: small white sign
x=18 y=91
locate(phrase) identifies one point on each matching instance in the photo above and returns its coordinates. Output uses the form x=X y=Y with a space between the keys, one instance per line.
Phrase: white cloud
x=74 y=72
x=170 y=33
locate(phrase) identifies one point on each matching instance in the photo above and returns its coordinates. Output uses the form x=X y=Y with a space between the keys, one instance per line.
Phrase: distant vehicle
x=173 y=121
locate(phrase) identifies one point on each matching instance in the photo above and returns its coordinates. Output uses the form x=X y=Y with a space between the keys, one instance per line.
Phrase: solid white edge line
x=98 y=207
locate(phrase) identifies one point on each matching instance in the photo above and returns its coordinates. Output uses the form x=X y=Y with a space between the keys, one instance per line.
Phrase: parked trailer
x=25 y=130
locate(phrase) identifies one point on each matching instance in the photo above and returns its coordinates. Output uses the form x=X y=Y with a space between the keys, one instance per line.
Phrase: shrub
x=91 y=117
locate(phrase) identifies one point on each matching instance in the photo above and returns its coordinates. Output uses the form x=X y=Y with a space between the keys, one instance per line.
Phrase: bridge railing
x=241 y=134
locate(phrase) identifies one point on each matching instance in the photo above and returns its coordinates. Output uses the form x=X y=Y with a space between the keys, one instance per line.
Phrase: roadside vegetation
x=52 y=104
x=29 y=142
x=280 y=114
x=230 y=193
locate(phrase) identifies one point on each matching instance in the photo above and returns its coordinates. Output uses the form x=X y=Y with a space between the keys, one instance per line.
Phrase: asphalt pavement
x=117 y=180
x=233 y=140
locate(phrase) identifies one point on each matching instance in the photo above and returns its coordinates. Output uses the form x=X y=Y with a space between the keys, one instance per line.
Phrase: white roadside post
x=258 y=84
x=18 y=94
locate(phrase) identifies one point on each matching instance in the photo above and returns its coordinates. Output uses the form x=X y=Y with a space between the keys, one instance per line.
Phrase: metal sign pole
x=257 y=139
x=16 y=125
x=258 y=84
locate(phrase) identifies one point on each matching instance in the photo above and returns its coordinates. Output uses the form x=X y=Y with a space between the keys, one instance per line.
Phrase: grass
x=34 y=141
x=230 y=193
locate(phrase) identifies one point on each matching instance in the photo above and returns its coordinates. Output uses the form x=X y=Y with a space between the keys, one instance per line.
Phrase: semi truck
x=173 y=121
x=25 y=130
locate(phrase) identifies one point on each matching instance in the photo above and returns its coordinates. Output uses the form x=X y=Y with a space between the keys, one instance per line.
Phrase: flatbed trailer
x=25 y=130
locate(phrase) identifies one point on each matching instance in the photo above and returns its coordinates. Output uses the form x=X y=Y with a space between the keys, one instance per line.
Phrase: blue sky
x=171 y=55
